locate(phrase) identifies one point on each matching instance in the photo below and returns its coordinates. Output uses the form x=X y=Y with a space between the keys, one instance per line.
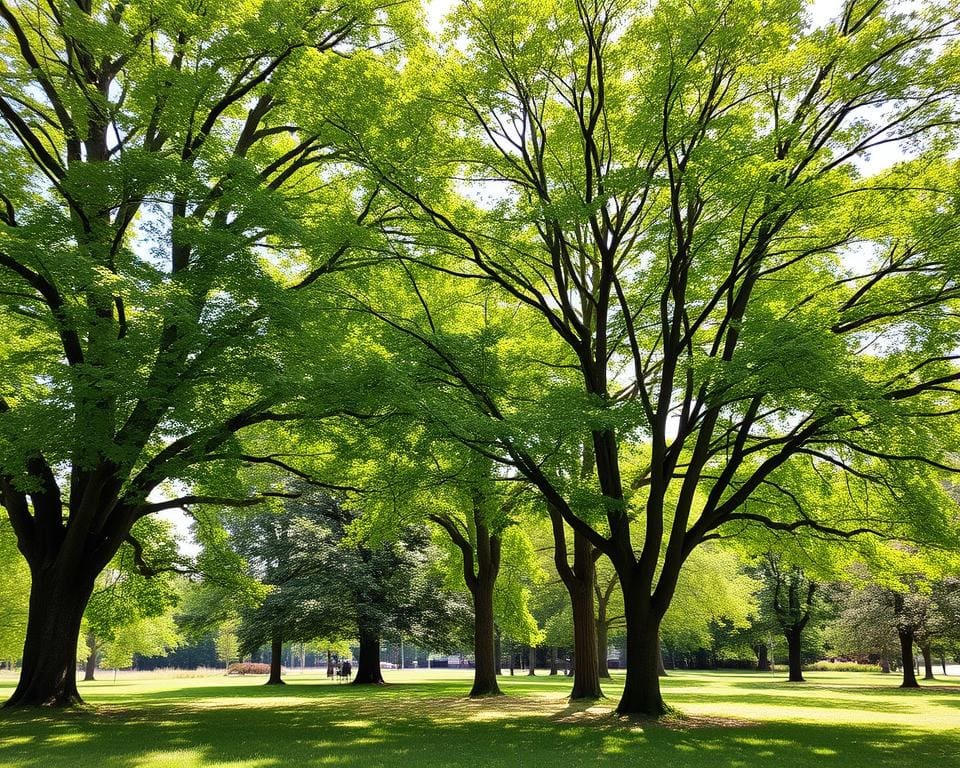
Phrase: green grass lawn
x=424 y=719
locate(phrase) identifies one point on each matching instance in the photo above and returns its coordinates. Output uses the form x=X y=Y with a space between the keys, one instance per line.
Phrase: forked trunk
x=368 y=665
x=906 y=658
x=794 y=637
x=276 y=654
x=641 y=691
x=48 y=676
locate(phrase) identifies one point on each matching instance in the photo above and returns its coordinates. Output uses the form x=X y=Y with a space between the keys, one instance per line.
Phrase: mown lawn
x=424 y=719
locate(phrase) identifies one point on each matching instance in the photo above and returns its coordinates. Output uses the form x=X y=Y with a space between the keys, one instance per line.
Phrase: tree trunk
x=906 y=658
x=276 y=659
x=884 y=665
x=586 y=670
x=794 y=636
x=602 y=644
x=368 y=665
x=661 y=670
x=90 y=668
x=927 y=662
x=498 y=653
x=553 y=661
x=48 y=675
x=484 y=642
x=330 y=670
x=532 y=661
x=943 y=664
x=763 y=657
x=641 y=691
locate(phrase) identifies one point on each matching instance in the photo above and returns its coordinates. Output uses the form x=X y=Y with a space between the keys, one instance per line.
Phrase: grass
x=733 y=720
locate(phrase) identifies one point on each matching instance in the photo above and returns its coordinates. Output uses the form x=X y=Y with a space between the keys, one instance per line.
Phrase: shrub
x=248 y=668
x=841 y=666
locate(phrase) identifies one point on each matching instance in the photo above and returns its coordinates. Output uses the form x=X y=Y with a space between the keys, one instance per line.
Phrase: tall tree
x=153 y=185
x=679 y=195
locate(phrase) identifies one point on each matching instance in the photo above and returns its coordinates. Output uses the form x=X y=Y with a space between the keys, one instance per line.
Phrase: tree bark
x=368 y=665
x=602 y=643
x=763 y=657
x=927 y=662
x=884 y=665
x=532 y=661
x=641 y=691
x=276 y=659
x=498 y=652
x=48 y=675
x=484 y=641
x=579 y=578
x=90 y=668
x=906 y=658
x=330 y=670
x=661 y=670
x=553 y=661
x=794 y=637
x=481 y=566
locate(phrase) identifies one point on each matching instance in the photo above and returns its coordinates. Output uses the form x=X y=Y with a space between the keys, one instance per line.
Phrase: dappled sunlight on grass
x=424 y=718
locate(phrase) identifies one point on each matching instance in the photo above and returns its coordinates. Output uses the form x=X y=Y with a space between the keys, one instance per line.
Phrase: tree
x=678 y=195
x=136 y=588
x=152 y=173
x=289 y=551
x=790 y=595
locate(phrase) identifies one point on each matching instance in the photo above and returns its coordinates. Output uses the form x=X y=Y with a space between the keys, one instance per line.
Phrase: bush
x=841 y=666
x=248 y=668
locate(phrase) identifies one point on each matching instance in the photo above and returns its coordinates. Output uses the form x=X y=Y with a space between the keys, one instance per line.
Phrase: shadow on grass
x=417 y=725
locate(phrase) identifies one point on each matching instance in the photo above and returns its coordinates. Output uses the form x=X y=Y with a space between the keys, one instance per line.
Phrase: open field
x=423 y=719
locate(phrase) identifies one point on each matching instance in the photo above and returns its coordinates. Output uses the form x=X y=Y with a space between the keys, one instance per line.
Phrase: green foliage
x=14 y=574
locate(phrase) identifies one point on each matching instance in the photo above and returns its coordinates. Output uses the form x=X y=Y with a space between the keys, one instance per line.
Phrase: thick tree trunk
x=484 y=642
x=276 y=658
x=602 y=644
x=794 y=637
x=906 y=658
x=927 y=662
x=763 y=657
x=90 y=668
x=368 y=665
x=641 y=691
x=48 y=675
x=532 y=661
x=553 y=661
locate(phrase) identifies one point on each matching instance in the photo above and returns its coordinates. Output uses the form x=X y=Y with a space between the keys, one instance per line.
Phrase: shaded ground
x=732 y=720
